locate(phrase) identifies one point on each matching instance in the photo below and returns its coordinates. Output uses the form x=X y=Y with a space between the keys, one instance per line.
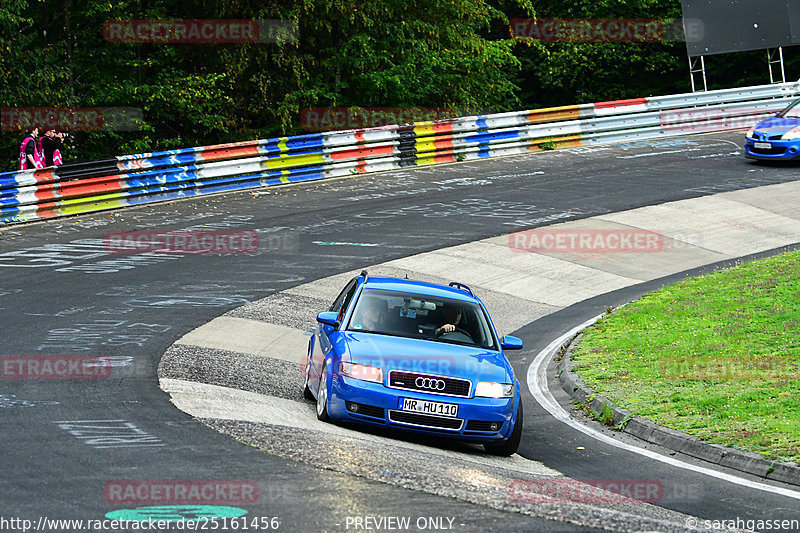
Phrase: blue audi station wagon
x=416 y=357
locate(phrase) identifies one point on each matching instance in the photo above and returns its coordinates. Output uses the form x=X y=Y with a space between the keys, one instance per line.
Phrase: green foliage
x=399 y=53
x=392 y=53
x=548 y=145
x=453 y=55
x=563 y=73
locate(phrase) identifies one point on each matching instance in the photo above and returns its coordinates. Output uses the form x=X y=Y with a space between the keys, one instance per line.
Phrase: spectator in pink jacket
x=30 y=154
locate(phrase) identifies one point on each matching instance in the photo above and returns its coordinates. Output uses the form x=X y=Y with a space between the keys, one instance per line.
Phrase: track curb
x=624 y=420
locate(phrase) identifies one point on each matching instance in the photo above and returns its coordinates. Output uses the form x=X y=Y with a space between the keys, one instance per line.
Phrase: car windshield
x=420 y=316
x=793 y=111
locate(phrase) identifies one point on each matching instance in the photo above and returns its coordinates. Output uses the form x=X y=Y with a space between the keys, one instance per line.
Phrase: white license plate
x=429 y=408
x=763 y=145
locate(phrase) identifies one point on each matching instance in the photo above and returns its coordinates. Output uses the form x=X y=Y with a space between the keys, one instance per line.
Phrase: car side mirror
x=510 y=342
x=329 y=318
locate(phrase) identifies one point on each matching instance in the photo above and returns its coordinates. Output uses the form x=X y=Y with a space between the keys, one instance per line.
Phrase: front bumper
x=476 y=414
x=778 y=150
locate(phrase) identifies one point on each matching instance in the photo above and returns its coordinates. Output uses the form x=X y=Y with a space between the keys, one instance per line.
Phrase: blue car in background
x=416 y=357
x=776 y=138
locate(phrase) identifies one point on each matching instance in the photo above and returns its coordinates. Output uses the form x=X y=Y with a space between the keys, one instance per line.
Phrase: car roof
x=419 y=287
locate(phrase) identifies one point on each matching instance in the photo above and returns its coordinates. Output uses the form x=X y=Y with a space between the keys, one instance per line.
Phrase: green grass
x=717 y=357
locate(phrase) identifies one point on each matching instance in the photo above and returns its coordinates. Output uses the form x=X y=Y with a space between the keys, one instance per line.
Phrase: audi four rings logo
x=430 y=383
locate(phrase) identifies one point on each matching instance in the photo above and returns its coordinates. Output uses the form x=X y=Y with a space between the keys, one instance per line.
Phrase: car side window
x=348 y=297
x=337 y=303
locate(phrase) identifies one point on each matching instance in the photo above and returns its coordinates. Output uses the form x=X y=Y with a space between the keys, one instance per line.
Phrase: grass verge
x=716 y=356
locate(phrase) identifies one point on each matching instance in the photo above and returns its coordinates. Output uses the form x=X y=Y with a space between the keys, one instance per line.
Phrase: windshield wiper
x=369 y=331
x=452 y=341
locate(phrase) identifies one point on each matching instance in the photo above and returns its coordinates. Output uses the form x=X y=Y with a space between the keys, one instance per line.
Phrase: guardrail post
x=695 y=69
x=771 y=53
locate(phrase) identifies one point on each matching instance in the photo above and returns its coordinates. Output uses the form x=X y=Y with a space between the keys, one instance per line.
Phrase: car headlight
x=362 y=372
x=489 y=389
x=793 y=133
x=750 y=132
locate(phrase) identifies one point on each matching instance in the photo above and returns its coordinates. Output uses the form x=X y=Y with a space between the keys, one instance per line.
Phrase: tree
x=580 y=71
x=371 y=53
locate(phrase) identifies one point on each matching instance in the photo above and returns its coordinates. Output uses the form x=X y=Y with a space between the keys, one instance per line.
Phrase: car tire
x=511 y=445
x=322 y=395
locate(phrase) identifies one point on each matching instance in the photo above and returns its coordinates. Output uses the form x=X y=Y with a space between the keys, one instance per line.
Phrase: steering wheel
x=459 y=334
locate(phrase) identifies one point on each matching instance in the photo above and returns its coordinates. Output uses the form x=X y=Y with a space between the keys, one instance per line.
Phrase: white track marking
x=537 y=384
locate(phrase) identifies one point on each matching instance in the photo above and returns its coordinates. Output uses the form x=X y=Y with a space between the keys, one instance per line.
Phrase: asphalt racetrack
x=69 y=442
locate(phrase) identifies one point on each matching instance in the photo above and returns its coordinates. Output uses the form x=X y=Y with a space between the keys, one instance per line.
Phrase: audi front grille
x=430 y=384
x=425 y=421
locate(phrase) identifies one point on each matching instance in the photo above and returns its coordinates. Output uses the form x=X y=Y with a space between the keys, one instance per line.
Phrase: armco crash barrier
x=76 y=188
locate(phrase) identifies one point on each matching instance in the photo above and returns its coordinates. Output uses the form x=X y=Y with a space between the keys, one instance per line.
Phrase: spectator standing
x=30 y=154
x=50 y=147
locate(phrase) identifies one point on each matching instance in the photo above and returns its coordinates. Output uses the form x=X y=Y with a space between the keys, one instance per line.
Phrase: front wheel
x=322 y=395
x=511 y=445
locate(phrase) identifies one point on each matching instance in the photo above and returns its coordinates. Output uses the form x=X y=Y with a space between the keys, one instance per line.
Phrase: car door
x=323 y=334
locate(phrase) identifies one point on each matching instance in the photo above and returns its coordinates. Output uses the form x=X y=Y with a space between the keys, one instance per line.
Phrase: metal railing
x=77 y=188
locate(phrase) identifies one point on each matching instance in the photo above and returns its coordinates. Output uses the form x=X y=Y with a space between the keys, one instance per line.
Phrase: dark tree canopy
x=444 y=54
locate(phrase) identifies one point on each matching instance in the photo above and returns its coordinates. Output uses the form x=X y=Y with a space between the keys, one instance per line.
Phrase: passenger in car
x=373 y=313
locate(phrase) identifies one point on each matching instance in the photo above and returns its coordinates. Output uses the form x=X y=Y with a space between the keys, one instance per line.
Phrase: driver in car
x=452 y=316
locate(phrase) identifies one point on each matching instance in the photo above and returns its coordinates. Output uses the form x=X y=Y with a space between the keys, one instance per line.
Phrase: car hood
x=777 y=125
x=426 y=357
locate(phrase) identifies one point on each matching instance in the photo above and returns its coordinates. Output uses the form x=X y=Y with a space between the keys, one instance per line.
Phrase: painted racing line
x=537 y=384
